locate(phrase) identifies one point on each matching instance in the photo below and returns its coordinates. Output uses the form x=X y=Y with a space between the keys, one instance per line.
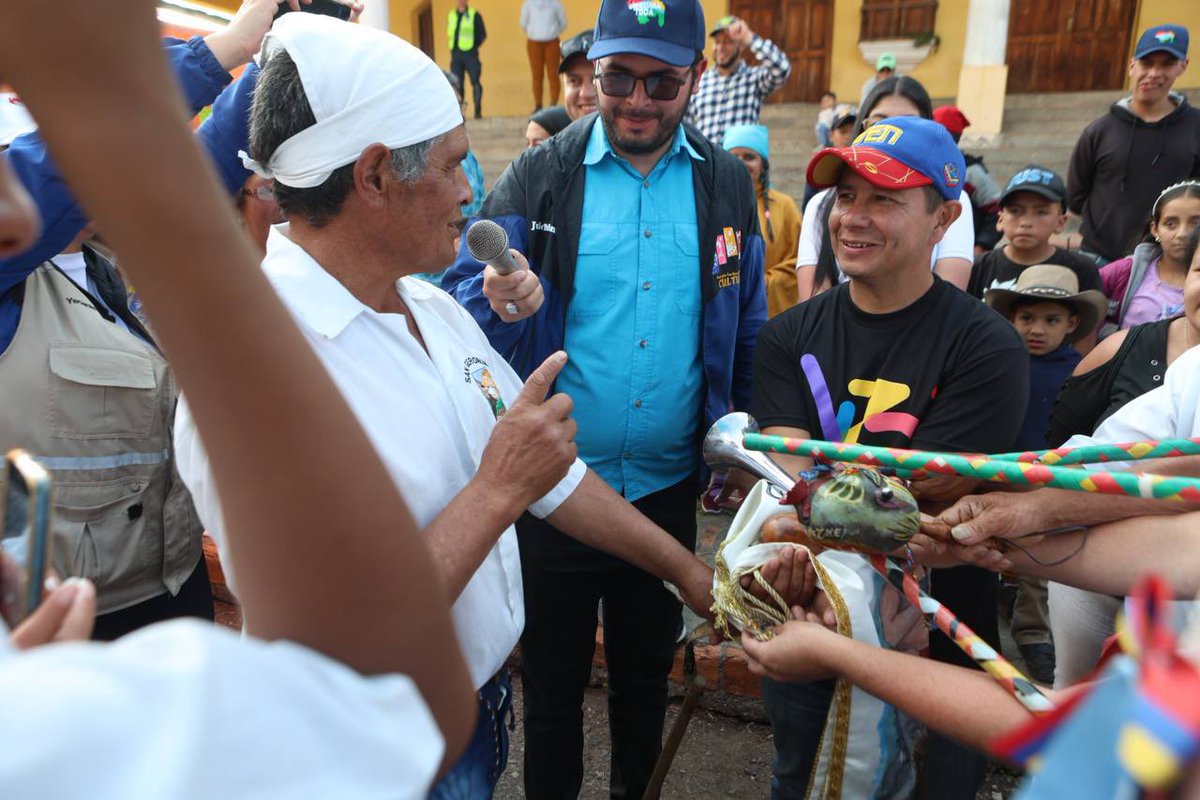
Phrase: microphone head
x=486 y=240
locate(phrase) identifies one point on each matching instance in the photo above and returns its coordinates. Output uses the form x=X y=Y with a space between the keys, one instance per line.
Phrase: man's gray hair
x=279 y=111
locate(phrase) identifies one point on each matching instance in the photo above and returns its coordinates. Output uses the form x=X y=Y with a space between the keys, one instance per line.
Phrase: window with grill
x=897 y=19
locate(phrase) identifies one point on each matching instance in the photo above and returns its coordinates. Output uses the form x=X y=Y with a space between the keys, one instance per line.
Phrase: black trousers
x=468 y=62
x=798 y=711
x=195 y=599
x=564 y=583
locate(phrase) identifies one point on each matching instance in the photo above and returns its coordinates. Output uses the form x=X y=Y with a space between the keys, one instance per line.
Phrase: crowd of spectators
x=412 y=461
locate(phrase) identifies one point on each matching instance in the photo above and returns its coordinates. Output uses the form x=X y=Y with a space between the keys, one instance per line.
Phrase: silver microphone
x=488 y=243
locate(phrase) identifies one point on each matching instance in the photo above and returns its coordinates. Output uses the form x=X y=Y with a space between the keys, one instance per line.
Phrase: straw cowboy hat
x=1058 y=284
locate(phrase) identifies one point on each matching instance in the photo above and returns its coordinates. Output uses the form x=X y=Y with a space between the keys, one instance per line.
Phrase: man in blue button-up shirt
x=645 y=265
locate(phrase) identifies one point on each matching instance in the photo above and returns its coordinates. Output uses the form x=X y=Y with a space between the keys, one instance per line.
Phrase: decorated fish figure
x=858 y=508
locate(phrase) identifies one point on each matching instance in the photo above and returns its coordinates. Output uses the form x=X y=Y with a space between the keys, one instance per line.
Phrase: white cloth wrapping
x=185 y=709
x=365 y=86
x=867 y=747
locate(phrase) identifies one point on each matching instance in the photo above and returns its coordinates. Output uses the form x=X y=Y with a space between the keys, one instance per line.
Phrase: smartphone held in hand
x=24 y=546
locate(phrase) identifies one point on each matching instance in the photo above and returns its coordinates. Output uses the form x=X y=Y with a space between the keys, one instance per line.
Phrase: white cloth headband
x=365 y=86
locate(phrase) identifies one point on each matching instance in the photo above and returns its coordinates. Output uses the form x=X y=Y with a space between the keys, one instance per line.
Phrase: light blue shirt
x=633 y=324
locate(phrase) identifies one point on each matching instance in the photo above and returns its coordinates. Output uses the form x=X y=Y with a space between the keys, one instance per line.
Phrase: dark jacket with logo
x=539 y=202
x=1120 y=165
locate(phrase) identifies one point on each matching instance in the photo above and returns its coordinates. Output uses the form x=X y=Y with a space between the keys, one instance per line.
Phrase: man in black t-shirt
x=1033 y=208
x=895 y=357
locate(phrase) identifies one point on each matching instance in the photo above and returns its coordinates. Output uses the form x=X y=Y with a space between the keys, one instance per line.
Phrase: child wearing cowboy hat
x=1050 y=313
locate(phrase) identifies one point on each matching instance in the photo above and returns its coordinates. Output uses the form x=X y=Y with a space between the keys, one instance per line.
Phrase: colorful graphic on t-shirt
x=881 y=395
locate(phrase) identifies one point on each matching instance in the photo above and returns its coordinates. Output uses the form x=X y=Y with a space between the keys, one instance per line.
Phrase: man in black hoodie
x=1144 y=143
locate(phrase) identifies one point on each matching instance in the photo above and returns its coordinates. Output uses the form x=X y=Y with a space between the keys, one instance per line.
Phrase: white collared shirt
x=429 y=415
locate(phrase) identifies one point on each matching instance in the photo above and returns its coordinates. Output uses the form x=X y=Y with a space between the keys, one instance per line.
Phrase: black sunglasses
x=622 y=84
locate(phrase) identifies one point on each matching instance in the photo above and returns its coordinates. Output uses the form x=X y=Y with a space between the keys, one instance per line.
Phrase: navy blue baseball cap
x=1039 y=180
x=671 y=31
x=896 y=153
x=1172 y=39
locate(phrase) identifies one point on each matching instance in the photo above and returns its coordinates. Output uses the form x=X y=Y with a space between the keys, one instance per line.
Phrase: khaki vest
x=466 y=31
x=95 y=405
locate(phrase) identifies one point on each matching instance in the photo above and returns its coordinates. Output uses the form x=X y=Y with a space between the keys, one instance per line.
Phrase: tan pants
x=543 y=56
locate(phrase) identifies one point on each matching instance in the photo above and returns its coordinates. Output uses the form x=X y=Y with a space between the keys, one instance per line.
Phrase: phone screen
x=329 y=8
x=23 y=546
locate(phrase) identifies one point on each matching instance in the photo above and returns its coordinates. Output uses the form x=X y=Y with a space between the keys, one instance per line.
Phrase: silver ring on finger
x=512 y=308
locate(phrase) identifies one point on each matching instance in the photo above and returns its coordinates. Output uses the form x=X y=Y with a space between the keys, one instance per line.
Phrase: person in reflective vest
x=465 y=34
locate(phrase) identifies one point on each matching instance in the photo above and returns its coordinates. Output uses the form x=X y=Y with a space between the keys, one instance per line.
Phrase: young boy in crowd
x=1047 y=308
x=1032 y=209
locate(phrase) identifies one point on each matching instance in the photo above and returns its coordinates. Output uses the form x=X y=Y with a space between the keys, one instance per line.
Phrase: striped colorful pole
x=1098 y=453
x=1160 y=487
x=942 y=618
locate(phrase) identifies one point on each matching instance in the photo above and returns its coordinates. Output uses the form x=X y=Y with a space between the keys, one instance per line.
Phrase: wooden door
x=425 y=29
x=1068 y=45
x=804 y=30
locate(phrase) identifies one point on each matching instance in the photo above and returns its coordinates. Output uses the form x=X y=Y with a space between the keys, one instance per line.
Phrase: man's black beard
x=637 y=147
x=736 y=57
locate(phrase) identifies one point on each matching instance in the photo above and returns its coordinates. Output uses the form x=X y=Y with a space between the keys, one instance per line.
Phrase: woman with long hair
x=1148 y=285
x=778 y=215
x=816 y=267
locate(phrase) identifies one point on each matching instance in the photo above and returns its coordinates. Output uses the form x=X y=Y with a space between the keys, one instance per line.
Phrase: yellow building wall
x=938 y=73
x=1178 y=12
x=507 y=89
x=506 y=69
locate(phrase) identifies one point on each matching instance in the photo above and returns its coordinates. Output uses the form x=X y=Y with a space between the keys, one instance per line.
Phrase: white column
x=375 y=14
x=984 y=77
x=987 y=33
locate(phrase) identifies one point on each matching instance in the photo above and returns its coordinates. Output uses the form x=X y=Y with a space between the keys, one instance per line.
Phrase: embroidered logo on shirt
x=545 y=227
x=475 y=370
x=648 y=10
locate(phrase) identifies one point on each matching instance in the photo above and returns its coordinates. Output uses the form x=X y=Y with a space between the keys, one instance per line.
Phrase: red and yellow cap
x=897 y=153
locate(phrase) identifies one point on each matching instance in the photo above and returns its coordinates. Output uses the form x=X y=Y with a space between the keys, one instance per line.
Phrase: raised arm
x=256 y=388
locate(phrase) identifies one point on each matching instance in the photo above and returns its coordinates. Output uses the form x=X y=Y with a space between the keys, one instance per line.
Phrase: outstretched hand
x=1003 y=515
x=792 y=575
x=798 y=653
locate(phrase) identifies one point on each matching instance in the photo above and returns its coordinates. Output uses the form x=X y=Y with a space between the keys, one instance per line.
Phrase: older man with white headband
x=365 y=151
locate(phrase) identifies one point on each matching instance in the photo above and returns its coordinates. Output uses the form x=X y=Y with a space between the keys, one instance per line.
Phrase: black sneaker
x=1039 y=660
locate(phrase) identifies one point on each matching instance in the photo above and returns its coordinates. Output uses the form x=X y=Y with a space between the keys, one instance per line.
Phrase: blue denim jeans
x=477 y=770
x=797 y=712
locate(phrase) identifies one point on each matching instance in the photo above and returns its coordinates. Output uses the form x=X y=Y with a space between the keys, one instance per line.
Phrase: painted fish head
x=863 y=510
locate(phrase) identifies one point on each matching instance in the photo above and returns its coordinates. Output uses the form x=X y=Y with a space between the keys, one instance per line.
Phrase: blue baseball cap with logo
x=1172 y=39
x=671 y=31
x=896 y=153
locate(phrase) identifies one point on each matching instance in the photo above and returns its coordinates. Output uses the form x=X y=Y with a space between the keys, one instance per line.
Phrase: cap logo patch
x=880 y=134
x=647 y=10
x=950 y=173
x=1164 y=37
